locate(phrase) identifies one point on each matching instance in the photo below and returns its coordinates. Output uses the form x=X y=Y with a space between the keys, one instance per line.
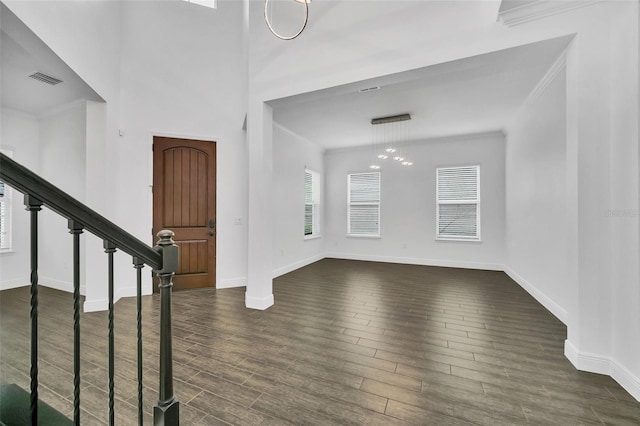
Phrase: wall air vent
x=45 y=78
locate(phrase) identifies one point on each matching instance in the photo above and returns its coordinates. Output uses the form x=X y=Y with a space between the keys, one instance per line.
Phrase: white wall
x=19 y=133
x=86 y=36
x=536 y=196
x=167 y=68
x=53 y=146
x=291 y=155
x=182 y=76
x=62 y=135
x=408 y=205
x=603 y=320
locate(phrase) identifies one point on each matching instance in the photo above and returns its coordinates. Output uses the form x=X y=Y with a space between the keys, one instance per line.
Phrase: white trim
x=56 y=284
x=544 y=300
x=103 y=304
x=420 y=142
x=594 y=363
x=558 y=66
x=260 y=304
x=297 y=265
x=463 y=239
x=15 y=283
x=540 y=9
x=231 y=283
x=296 y=135
x=95 y=305
x=371 y=237
x=419 y=261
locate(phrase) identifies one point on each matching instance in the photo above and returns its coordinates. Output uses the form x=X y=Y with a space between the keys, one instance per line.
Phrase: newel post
x=166 y=411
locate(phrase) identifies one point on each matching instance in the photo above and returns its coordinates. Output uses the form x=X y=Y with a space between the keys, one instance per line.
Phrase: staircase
x=19 y=407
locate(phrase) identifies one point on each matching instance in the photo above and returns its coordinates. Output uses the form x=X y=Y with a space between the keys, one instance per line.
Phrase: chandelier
x=289 y=15
x=387 y=135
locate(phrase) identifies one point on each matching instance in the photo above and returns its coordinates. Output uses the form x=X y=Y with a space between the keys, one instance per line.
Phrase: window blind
x=311 y=203
x=364 y=204
x=458 y=202
x=5 y=219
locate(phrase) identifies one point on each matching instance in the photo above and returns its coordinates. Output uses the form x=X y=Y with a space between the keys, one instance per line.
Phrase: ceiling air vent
x=45 y=78
x=369 y=89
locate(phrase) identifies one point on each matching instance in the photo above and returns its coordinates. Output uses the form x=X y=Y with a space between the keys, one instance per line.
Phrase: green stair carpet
x=14 y=409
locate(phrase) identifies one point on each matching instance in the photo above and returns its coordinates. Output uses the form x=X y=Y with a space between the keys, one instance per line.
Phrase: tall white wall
x=603 y=249
x=87 y=37
x=168 y=68
x=182 y=76
x=536 y=217
x=19 y=133
x=291 y=155
x=408 y=204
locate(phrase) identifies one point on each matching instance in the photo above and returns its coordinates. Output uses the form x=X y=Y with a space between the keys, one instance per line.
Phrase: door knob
x=211 y=233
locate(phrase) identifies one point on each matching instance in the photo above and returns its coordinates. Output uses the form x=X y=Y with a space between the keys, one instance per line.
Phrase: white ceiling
x=476 y=94
x=22 y=53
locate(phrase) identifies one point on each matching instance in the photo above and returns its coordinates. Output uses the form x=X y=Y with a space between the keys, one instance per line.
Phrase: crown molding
x=541 y=9
x=553 y=71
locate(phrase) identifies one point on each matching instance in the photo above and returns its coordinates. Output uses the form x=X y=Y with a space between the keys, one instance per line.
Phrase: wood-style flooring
x=346 y=343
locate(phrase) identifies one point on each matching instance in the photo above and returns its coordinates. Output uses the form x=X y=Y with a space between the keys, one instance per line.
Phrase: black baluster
x=167 y=411
x=110 y=248
x=138 y=264
x=76 y=229
x=34 y=206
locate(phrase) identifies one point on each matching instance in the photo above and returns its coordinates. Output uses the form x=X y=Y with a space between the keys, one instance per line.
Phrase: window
x=207 y=3
x=364 y=204
x=5 y=213
x=458 y=203
x=311 y=204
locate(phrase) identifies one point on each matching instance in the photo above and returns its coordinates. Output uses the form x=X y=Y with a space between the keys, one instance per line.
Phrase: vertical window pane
x=5 y=212
x=458 y=202
x=311 y=203
x=364 y=204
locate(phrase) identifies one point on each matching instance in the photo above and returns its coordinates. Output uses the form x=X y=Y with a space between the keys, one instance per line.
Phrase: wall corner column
x=259 y=294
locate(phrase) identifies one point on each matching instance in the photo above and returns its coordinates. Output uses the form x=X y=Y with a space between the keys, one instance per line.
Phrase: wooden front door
x=184 y=201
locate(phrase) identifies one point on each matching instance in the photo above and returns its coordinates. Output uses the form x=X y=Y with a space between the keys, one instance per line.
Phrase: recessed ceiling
x=471 y=95
x=21 y=54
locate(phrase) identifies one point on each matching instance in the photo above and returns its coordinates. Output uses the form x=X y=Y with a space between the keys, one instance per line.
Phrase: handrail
x=163 y=259
x=27 y=182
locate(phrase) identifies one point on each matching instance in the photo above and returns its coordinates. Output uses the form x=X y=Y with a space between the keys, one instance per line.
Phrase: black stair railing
x=163 y=259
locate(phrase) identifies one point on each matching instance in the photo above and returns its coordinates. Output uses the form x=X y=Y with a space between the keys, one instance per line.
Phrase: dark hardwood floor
x=347 y=343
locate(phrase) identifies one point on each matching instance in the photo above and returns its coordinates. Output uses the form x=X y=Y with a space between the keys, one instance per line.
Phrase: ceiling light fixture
x=269 y=11
x=386 y=131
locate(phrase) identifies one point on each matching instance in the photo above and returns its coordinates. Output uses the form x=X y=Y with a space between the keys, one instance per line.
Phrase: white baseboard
x=260 y=304
x=18 y=282
x=418 y=261
x=95 y=305
x=297 y=265
x=56 y=284
x=594 y=363
x=545 y=301
x=232 y=283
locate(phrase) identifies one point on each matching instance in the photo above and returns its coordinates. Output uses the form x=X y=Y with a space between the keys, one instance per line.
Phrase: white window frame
x=6 y=206
x=312 y=200
x=373 y=202
x=206 y=3
x=475 y=201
